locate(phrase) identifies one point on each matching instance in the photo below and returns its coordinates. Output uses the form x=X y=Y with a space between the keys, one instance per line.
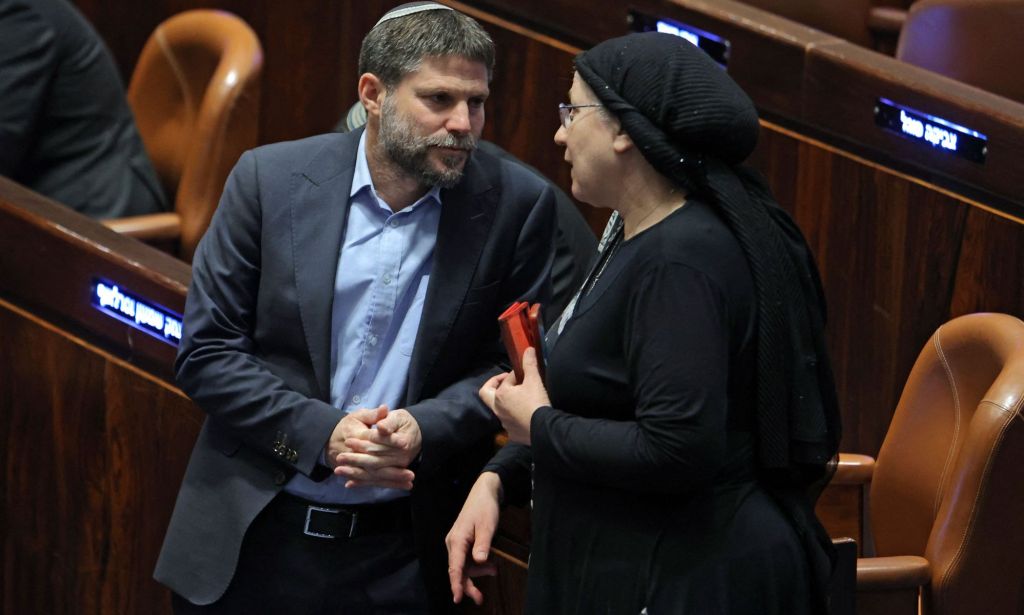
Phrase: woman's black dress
x=644 y=487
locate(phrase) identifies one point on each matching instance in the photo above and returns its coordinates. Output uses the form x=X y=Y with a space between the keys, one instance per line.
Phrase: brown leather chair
x=195 y=95
x=980 y=42
x=885 y=21
x=946 y=496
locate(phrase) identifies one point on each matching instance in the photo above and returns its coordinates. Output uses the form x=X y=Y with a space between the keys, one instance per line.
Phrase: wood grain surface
x=94 y=451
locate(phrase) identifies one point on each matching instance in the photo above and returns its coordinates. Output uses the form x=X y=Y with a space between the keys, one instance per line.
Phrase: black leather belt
x=347 y=521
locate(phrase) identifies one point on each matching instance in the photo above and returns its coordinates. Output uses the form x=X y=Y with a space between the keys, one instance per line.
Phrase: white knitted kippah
x=409 y=8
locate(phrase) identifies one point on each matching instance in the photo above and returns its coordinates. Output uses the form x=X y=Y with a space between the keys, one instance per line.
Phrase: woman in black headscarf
x=689 y=412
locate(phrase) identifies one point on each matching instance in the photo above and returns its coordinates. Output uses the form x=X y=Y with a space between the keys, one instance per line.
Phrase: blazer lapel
x=467 y=212
x=319 y=209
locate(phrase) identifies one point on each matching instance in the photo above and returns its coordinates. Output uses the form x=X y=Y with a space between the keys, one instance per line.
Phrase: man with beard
x=575 y=242
x=341 y=317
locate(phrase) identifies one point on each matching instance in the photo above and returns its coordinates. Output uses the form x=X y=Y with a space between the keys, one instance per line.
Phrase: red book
x=520 y=329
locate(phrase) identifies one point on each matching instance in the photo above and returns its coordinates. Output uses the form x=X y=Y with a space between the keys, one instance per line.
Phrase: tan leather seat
x=195 y=95
x=980 y=42
x=946 y=495
x=885 y=23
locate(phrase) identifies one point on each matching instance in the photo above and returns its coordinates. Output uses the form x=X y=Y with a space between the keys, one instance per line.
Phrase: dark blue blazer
x=255 y=354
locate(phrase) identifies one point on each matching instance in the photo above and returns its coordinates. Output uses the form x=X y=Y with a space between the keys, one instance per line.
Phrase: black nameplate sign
x=715 y=46
x=135 y=311
x=931 y=131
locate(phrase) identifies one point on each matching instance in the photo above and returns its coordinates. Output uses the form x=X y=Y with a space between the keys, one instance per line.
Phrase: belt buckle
x=334 y=511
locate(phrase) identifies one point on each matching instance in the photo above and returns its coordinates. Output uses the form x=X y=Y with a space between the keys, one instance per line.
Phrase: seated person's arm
x=27 y=58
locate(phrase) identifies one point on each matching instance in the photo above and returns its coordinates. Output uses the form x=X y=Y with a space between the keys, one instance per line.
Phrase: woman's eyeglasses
x=566 y=113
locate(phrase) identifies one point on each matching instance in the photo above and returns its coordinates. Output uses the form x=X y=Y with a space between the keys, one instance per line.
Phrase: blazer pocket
x=481 y=294
x=220 y=441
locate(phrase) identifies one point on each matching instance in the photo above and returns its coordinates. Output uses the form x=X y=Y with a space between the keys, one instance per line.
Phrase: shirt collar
x=361 y=179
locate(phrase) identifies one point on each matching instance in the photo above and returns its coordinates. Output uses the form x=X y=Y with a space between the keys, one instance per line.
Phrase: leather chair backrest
x=947 y=483
x=847 y=19
x=979 y=42
x=195 y=96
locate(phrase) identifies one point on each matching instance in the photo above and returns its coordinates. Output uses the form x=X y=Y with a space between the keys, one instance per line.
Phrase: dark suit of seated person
x=575 y=243
x=65 y=127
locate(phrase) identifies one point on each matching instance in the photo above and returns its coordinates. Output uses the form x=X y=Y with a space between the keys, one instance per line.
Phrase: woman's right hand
x=472 y=534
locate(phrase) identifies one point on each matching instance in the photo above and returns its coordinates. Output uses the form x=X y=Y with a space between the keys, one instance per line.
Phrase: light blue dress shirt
x=381 y=282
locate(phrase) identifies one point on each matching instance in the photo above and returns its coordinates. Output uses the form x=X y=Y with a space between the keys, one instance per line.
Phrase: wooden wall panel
x=356 y=20
x=94 y=451
x=898 y=258
x=990 y=269
x=149 y=432
x=301 y=89
x=49 y=484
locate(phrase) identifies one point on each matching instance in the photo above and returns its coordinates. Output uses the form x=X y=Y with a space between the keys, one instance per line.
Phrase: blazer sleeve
x=677 y=352
x=456 y=417
x=218 y=365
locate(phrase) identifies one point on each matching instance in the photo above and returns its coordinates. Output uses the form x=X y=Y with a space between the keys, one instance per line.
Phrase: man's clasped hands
x=373 y=447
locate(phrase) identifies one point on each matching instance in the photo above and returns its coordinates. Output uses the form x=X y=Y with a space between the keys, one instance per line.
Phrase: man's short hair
x=396 y=47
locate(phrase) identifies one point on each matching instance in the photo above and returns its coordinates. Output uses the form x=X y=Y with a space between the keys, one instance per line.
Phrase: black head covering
x=676 y=104
x=695 y=125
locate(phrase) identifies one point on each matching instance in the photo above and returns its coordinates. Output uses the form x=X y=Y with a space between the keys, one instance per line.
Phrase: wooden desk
x=95 y=437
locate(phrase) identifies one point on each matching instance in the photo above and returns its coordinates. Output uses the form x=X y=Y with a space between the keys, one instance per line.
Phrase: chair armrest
x=842 y=586
x=885 y=24
x=854 y=469
x=147 y=227
x=894 y=572
x=886 y=20
x=841 y=505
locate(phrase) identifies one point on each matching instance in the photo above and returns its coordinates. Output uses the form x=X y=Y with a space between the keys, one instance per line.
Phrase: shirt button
x=372 y=341
x=356 y=399
x=279 y=478
x=393 y=223
x=387 y=278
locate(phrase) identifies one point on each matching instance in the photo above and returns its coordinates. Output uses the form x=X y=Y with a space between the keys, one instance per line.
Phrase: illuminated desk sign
x=932 y=131
x=137 y=312
x=715 y=46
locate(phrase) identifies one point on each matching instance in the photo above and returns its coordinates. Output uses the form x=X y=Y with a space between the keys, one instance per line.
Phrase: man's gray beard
x=410 y=152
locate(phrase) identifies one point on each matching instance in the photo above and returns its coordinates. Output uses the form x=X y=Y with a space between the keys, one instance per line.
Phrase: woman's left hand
x=514 y=403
